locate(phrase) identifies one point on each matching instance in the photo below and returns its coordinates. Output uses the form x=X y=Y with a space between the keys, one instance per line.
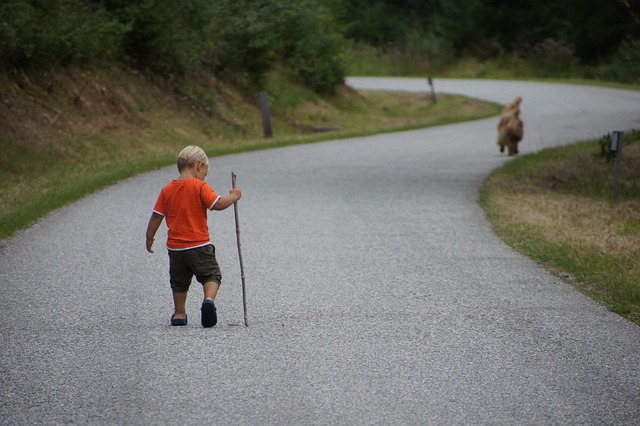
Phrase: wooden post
x=433 y=92
x=266 y=117
x=616 y=146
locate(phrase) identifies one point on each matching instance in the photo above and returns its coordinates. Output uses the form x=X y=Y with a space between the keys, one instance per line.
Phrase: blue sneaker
x=209 y=316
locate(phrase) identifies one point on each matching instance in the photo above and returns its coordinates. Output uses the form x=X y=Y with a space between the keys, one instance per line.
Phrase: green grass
x=555 y=206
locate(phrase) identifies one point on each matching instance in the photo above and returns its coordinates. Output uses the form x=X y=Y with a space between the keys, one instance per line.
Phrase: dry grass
x=579 y=221
x=555 y=206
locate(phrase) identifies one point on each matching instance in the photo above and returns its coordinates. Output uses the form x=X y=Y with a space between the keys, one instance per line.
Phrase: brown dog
x=510 y=127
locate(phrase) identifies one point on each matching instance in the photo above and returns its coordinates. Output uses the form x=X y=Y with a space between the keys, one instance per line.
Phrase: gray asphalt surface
x=377 y=292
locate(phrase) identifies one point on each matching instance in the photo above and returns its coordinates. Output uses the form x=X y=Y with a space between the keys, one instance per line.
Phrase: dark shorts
x=200 y=261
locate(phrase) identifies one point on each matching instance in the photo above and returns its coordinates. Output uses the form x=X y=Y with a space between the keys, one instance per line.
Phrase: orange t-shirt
x=184 y=204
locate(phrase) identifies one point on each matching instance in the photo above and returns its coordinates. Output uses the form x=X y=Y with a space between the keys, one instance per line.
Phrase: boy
x=183 y=203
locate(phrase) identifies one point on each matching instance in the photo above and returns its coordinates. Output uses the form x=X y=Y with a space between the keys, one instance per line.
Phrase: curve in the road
x=377 y=292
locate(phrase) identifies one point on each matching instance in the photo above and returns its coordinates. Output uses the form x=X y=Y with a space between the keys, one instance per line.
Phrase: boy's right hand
x=228 y=200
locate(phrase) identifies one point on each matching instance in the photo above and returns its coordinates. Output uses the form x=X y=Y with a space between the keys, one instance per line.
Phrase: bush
x=313 y=51
x=163 y=36
x=246 y=39
x=605 y=152
x=42 y=34
x=625 y=64
x=240 y=39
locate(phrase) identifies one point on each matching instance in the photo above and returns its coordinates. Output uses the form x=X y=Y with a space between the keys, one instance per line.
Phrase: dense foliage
x=552 y=36
x=595 y=28
x=240 y=38
x=245 y=39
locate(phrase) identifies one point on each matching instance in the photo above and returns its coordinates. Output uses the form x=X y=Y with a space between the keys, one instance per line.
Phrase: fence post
x=266 y=117
x=433 y=92
x=616 y=146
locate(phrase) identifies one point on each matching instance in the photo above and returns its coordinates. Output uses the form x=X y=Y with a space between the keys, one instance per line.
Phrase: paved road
x=378 y=293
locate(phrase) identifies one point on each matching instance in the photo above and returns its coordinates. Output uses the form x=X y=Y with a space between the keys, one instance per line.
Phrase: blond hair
x=190 y=156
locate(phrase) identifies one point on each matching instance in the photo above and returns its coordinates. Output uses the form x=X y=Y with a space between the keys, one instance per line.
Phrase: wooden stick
x=244 y=292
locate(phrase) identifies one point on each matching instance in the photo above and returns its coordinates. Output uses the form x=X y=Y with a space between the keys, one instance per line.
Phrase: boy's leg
x=180 y=305
x=207 y=272
x=180 y=278
x=209 y=316
x=210 y=290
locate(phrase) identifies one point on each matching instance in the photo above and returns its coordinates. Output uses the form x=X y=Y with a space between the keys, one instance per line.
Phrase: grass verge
x=556 y=207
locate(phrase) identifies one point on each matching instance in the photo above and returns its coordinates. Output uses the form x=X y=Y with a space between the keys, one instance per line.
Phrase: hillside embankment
x=67 y=132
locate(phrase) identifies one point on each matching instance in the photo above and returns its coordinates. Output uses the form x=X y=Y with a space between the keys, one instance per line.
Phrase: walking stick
x=244 y=292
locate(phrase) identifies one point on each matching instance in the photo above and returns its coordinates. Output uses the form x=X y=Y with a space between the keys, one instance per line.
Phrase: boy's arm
x=154 y=223
x=228 y=200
